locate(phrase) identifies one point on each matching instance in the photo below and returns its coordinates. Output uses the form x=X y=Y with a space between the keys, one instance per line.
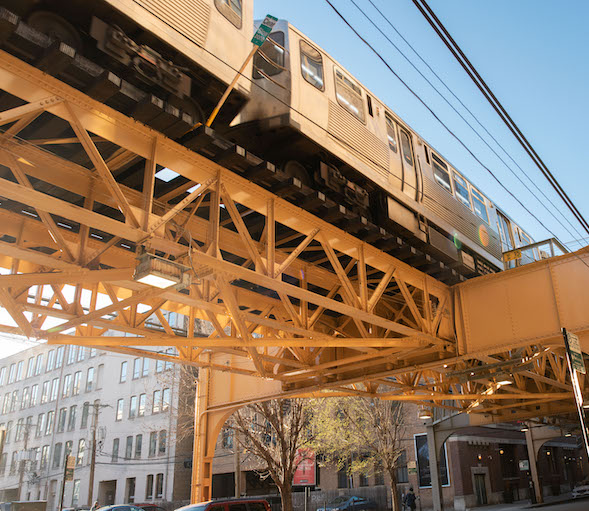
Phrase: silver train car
x=323 y=126
x=185 y=52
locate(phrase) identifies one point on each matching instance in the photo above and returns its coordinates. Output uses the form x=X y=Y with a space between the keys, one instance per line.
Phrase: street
x=578 y=505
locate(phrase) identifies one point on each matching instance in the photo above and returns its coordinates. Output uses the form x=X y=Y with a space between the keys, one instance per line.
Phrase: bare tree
x=362 y=434
x=274 y=432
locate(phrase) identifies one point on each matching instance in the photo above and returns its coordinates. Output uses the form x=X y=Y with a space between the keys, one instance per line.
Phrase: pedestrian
x=95 y=506
x=410 y=499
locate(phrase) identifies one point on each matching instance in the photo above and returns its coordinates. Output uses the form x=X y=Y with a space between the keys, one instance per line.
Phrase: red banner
x=305 y=472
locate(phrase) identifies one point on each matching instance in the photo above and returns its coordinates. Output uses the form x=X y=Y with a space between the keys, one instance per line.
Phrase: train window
x=349 y=95
x=269 y=59
x=441 y=174
x=311 y=65
x=478 y=202
x=231 y=9
x=461 y=189
x=369 y=100
x=406 y=147
x=391 y=133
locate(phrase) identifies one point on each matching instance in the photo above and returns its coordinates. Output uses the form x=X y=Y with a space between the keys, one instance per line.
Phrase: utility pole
x=23 y=461
x=97 y=407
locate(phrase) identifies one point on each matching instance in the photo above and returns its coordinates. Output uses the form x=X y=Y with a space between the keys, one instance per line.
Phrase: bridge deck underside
x=295 y=305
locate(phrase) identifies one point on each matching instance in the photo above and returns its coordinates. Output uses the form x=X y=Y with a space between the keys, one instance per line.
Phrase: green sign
x=264 y=30
x=576 y=353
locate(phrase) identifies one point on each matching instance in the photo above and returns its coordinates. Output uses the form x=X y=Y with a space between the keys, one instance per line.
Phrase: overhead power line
x=472 y=115
x=463 y=60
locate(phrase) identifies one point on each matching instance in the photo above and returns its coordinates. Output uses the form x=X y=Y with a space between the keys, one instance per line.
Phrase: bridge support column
x=433 y=448
x=532 y=456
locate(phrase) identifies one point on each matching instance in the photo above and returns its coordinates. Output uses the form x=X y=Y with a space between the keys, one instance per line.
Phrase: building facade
x=478 y=466
x=117 y=415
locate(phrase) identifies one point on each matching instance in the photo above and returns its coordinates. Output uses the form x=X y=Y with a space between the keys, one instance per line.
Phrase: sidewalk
x=525 y=504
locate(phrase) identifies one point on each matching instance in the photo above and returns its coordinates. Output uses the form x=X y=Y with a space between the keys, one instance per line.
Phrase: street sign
x=512 y=255
x=524 y=465
x=411 y=467
x=69 y=468
x=576 y=353
x=305 y=472
x=264 y=30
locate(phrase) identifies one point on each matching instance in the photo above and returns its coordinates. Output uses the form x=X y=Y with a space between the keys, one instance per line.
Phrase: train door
x=395 y=165
x=408 y=162
x=506 y=234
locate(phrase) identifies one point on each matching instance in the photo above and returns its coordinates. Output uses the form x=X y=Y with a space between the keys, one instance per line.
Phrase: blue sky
x=533 y=55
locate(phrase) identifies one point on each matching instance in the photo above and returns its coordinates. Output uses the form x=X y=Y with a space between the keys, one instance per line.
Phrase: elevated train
x=301 y=110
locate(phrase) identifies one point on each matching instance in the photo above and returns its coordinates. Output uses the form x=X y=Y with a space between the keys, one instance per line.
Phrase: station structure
x=299 y=307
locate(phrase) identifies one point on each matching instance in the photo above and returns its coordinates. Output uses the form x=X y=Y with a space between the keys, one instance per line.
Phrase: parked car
x=120 y=507
x=349 y=503
x=149 y=506
x=236 y=504
x=582 y=490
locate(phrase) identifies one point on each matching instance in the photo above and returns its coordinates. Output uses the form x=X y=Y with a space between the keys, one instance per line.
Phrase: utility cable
x=439 y=28
x=474 y=117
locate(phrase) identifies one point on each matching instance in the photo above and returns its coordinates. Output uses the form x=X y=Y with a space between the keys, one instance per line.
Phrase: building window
x=12 y=373
x=85 y=413
x=378 y=473
x=71 y=354
x=129 y=448
x=57 y=455
x=6 y=405
x=34 y=393
x=423 y=468
x=123 y=376
x=67 y=385
x=81 y=353
x=8 y=431
x=38 y=364
x=159 y=486
x=115 y=450
x=172 y=352
x=157 y=401
x=342 y=477
x=40 y=425
x=59 y=357
x=50 y=361
x=81 y=451
x=159 y=366
x=19 y=430
x=133 y=407
x=402 y=473
x=165 y=399
x=163 y=441
x=120 y=406
x=2 y=375
x=30 y=367
x=19 y=370
x=76 y=493
x=152 y=443
x=130 y=490
x=90 y=380
x=26 y=398
x=136 y=368
x=14 y=400
x=45 y=392
x=311 y=65
x=93 y=352
x=145 y=369
x=67 y=451
x=71 y=425
x=227 y=438
x=141 y=409
x=61 y=420
x=4 y=461
x=148 y=485
x=49 y=426
x=138 y=445
x=77 y=383
x=44 y=456
x=54 y=388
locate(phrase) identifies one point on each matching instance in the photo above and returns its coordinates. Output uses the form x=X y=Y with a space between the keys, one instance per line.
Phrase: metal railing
x=534 y=252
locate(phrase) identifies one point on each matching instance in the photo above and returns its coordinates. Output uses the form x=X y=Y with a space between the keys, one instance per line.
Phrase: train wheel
x=57 y=28
x=295 y=169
